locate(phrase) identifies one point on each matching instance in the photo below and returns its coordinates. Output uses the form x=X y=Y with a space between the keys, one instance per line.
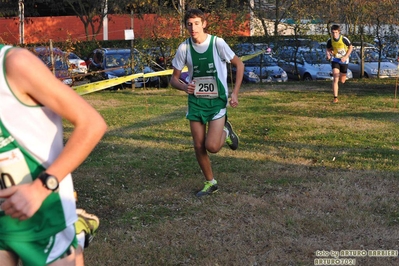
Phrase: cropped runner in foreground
x=206 y=56
x=38 y=209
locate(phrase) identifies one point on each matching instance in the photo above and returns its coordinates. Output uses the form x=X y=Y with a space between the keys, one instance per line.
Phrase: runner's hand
x=234 y=101
x=23 y=201
x=190 y=88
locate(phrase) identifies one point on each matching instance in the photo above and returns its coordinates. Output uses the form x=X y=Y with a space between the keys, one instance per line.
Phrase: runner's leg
x=216 y=136
x=8 y=258
x=198 y=132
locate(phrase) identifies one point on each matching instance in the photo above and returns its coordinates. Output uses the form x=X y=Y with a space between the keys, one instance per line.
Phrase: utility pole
x=181 y=10
x=132 y=46
x=105 y=21
x=21 y=20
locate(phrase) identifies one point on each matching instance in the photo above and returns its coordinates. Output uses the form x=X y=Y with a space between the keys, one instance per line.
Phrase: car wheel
x=95 y=78
x=153 y=82
x=307 y=77
x=164 y=81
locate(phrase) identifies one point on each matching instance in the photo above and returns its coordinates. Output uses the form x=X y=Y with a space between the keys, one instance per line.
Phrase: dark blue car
x=108 y=63
x=56 y=56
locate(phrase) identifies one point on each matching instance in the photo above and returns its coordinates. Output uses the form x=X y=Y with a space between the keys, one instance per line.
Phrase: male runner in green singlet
x=37 y=204
x=206 y=56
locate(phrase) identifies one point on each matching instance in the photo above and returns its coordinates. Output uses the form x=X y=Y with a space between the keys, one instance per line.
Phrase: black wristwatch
x=49 y=181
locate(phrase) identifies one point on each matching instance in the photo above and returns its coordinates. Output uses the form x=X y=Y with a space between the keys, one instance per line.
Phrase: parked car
x=108 y=63
x=60 y=65
x=246 y=48
x=158 y=59
x=76 y=64
x=292 y=43
x=365 y=45
x=310 y=63
x=161 y=56
x=249 y=76
x=371 y=58
x=391 y=51
x=265 y=67
x=260 y=68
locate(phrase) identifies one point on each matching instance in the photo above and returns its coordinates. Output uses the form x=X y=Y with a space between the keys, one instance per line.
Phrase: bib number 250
x=14 y=169
x=206 y=87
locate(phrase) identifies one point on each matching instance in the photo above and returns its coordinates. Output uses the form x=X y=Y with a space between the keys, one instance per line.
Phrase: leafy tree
x=8 y=8
x=270 y=10
x=228 y=11
x=90 y=12
x=381 y=13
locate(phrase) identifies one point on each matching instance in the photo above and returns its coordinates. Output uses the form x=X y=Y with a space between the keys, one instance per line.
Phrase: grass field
x=309 y=177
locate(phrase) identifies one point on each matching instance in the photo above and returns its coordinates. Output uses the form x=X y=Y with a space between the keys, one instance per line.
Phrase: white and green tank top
x=211 y=87
x=31 y=138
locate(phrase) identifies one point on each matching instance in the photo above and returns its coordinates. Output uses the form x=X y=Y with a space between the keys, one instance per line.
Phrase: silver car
x=265 y=67
x=371 y=56
x=76 y=64
x=311 y=64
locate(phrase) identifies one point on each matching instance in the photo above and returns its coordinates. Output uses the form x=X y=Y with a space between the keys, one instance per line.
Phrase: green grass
x=308 y=176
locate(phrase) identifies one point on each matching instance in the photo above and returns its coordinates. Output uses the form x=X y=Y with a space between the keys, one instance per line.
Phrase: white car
x=371 y=56
x=266 y=68
x=311 y=64
x=76 y=64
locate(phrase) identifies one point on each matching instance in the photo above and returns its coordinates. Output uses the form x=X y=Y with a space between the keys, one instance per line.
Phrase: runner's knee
x=8 y=258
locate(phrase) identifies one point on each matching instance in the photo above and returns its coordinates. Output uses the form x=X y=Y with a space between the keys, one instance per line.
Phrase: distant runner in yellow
x=338 y=50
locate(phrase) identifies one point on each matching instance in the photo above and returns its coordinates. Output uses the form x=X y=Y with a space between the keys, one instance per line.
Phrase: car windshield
x=315 y=58
x=73 y=56
x=264 y=59
x=59 y=61
x=117 y=60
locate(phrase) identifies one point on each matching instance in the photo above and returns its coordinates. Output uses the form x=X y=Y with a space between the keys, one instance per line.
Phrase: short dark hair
x=194 y=13
x=335 y=27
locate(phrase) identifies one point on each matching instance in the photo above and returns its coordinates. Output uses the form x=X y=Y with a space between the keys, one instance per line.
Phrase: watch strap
x=44 y=178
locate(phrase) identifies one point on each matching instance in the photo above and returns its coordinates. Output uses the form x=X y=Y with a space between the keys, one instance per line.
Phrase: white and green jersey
x=221 y=53
x=31 y=138
x=206 y=63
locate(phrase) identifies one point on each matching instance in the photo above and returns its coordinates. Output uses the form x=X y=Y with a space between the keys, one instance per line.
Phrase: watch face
x=52 y=182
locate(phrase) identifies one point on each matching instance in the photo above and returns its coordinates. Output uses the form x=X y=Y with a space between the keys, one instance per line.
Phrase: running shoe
x=232 y=138
x=208 y=189
x=88 y=223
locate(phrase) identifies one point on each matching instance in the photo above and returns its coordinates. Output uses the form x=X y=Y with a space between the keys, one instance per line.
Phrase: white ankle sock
x=213 y=181
x=227 y=132
x=81 y=239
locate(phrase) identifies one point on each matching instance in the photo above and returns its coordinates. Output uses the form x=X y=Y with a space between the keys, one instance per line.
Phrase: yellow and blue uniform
x=339 y=48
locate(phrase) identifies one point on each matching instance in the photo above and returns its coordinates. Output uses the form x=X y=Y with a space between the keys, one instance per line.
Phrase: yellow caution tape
x=250 y=56
x=105 y=84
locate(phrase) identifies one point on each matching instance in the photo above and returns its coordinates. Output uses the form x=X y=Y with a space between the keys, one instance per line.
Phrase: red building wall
x=42 y=29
